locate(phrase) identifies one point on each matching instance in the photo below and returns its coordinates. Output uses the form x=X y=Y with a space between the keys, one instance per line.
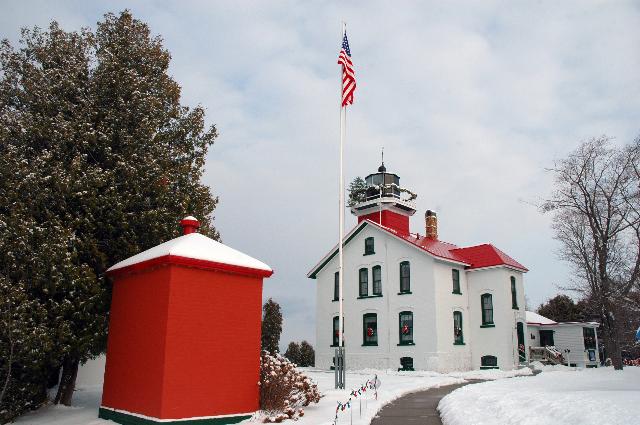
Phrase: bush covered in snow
x=283 y=390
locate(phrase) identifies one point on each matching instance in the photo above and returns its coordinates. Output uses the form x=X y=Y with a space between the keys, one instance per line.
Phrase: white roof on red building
x=195 y=246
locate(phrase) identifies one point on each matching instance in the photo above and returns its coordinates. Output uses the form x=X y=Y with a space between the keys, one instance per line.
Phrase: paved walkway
x=415 y=408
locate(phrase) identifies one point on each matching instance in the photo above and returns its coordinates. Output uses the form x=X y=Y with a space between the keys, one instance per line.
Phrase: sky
x=472 y=102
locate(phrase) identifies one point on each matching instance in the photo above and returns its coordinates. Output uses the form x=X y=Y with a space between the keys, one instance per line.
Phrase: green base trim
x=368 y=253
x=488 y=367
x=406 y=343
x=370 y=296
x=131 y=419
x=458 y=343
x=407 y=369
x=488 y=325
x=457 y=293
x=404 y=292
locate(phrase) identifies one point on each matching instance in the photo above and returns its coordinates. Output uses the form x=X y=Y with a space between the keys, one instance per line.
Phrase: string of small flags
x=370 y=384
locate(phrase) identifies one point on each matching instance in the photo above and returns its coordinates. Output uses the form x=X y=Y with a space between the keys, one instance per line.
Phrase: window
x=405 y=277
x=368 y=246
x=455 y=275
x=406 y=328
x=589 y=338
x=458 y=338
x=376 y=271
x=336 y=332
x=488 y=362
x=370 y=329
x=487 y=310
x=546 y=338
x=364 y=282
x=514 y=296
x=336 y=286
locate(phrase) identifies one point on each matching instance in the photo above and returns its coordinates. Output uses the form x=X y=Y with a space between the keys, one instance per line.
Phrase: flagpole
x=343 y=118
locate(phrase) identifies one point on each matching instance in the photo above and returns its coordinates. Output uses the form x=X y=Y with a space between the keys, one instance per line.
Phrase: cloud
x=471 y=100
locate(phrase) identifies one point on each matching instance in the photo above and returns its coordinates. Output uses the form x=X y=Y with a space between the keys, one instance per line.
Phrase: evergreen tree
x=24 y=342
x=271 y=326
x=293 y=353
x=98 y=161
x=562 y=308
x=357 y=191
x=307 y=354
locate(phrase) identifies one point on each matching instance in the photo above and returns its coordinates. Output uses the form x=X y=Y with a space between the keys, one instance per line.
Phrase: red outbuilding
x=184 y=334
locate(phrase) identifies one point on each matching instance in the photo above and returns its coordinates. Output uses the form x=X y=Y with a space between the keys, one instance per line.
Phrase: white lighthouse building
x=413 y=301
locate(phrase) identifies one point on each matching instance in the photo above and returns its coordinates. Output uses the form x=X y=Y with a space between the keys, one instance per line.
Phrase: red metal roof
x=485 y=255
x=473 y=257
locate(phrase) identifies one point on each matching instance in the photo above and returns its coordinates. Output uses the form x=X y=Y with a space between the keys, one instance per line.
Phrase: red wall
x=213 y=344
x=184 y=342
x=135 y=350
x=390 y=219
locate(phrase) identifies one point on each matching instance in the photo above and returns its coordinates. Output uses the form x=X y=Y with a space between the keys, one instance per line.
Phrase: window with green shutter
x=405 y=277
x=369 y=246
x=336 y=286
x=405 y=323
x=458 y=338
x=364 y=282
x=336 y=332
x=455 y=276
x=486 y=301
x=370 y=329
x=514 y=295
x=376 y=273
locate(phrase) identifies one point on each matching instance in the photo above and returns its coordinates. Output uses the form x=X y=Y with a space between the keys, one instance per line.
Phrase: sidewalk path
x=416 y=408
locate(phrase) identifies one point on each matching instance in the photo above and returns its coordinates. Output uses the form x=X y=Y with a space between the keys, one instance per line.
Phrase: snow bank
x=571 y=397
x=394 y=385
x=492 y=374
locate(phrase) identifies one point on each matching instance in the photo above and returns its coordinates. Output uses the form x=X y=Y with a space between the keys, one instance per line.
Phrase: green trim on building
x=128 y=419
x=405 y=293
x=346 y=241
x=369 y=296
x=488 y=325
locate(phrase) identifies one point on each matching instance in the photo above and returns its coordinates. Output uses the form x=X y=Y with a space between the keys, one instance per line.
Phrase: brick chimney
x=431 y=222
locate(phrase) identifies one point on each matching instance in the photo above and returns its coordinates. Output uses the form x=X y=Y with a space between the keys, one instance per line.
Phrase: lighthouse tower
x=382 y=202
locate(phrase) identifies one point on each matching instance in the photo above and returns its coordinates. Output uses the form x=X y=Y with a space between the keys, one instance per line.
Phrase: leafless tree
x=596 y=217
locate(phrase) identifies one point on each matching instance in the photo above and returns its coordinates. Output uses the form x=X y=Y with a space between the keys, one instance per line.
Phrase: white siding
x=499 y=341
x=432 y=303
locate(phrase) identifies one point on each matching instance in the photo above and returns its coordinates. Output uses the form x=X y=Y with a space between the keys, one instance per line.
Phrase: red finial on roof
x=189 y=225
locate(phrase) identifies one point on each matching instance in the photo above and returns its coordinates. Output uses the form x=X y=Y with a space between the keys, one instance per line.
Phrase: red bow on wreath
x=405 y=329
x=369 y=332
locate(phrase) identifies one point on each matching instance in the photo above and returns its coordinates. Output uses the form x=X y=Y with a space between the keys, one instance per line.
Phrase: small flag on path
x=348 y=76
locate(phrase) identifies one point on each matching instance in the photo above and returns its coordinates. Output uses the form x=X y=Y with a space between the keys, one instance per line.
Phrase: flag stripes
x=348 y=75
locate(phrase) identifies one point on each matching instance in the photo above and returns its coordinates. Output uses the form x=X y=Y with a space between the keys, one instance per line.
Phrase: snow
x=87 y=398
x=196 y=246
x=568 y=397
x=535 y=318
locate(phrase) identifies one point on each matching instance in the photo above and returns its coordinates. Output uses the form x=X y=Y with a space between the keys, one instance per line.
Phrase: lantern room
x=184 y=334
x=382 y=202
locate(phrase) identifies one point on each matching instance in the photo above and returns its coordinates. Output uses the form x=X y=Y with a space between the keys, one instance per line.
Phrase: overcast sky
x=471 y=102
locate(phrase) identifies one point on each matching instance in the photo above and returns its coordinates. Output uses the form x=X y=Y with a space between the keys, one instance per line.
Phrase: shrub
x=283 y=390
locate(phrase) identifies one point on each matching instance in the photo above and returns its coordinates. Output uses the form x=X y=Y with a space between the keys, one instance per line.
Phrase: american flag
x=348 y=76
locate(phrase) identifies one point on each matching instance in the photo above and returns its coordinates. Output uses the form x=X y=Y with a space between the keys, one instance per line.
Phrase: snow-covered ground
x=559 y=395
x=393 y=385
